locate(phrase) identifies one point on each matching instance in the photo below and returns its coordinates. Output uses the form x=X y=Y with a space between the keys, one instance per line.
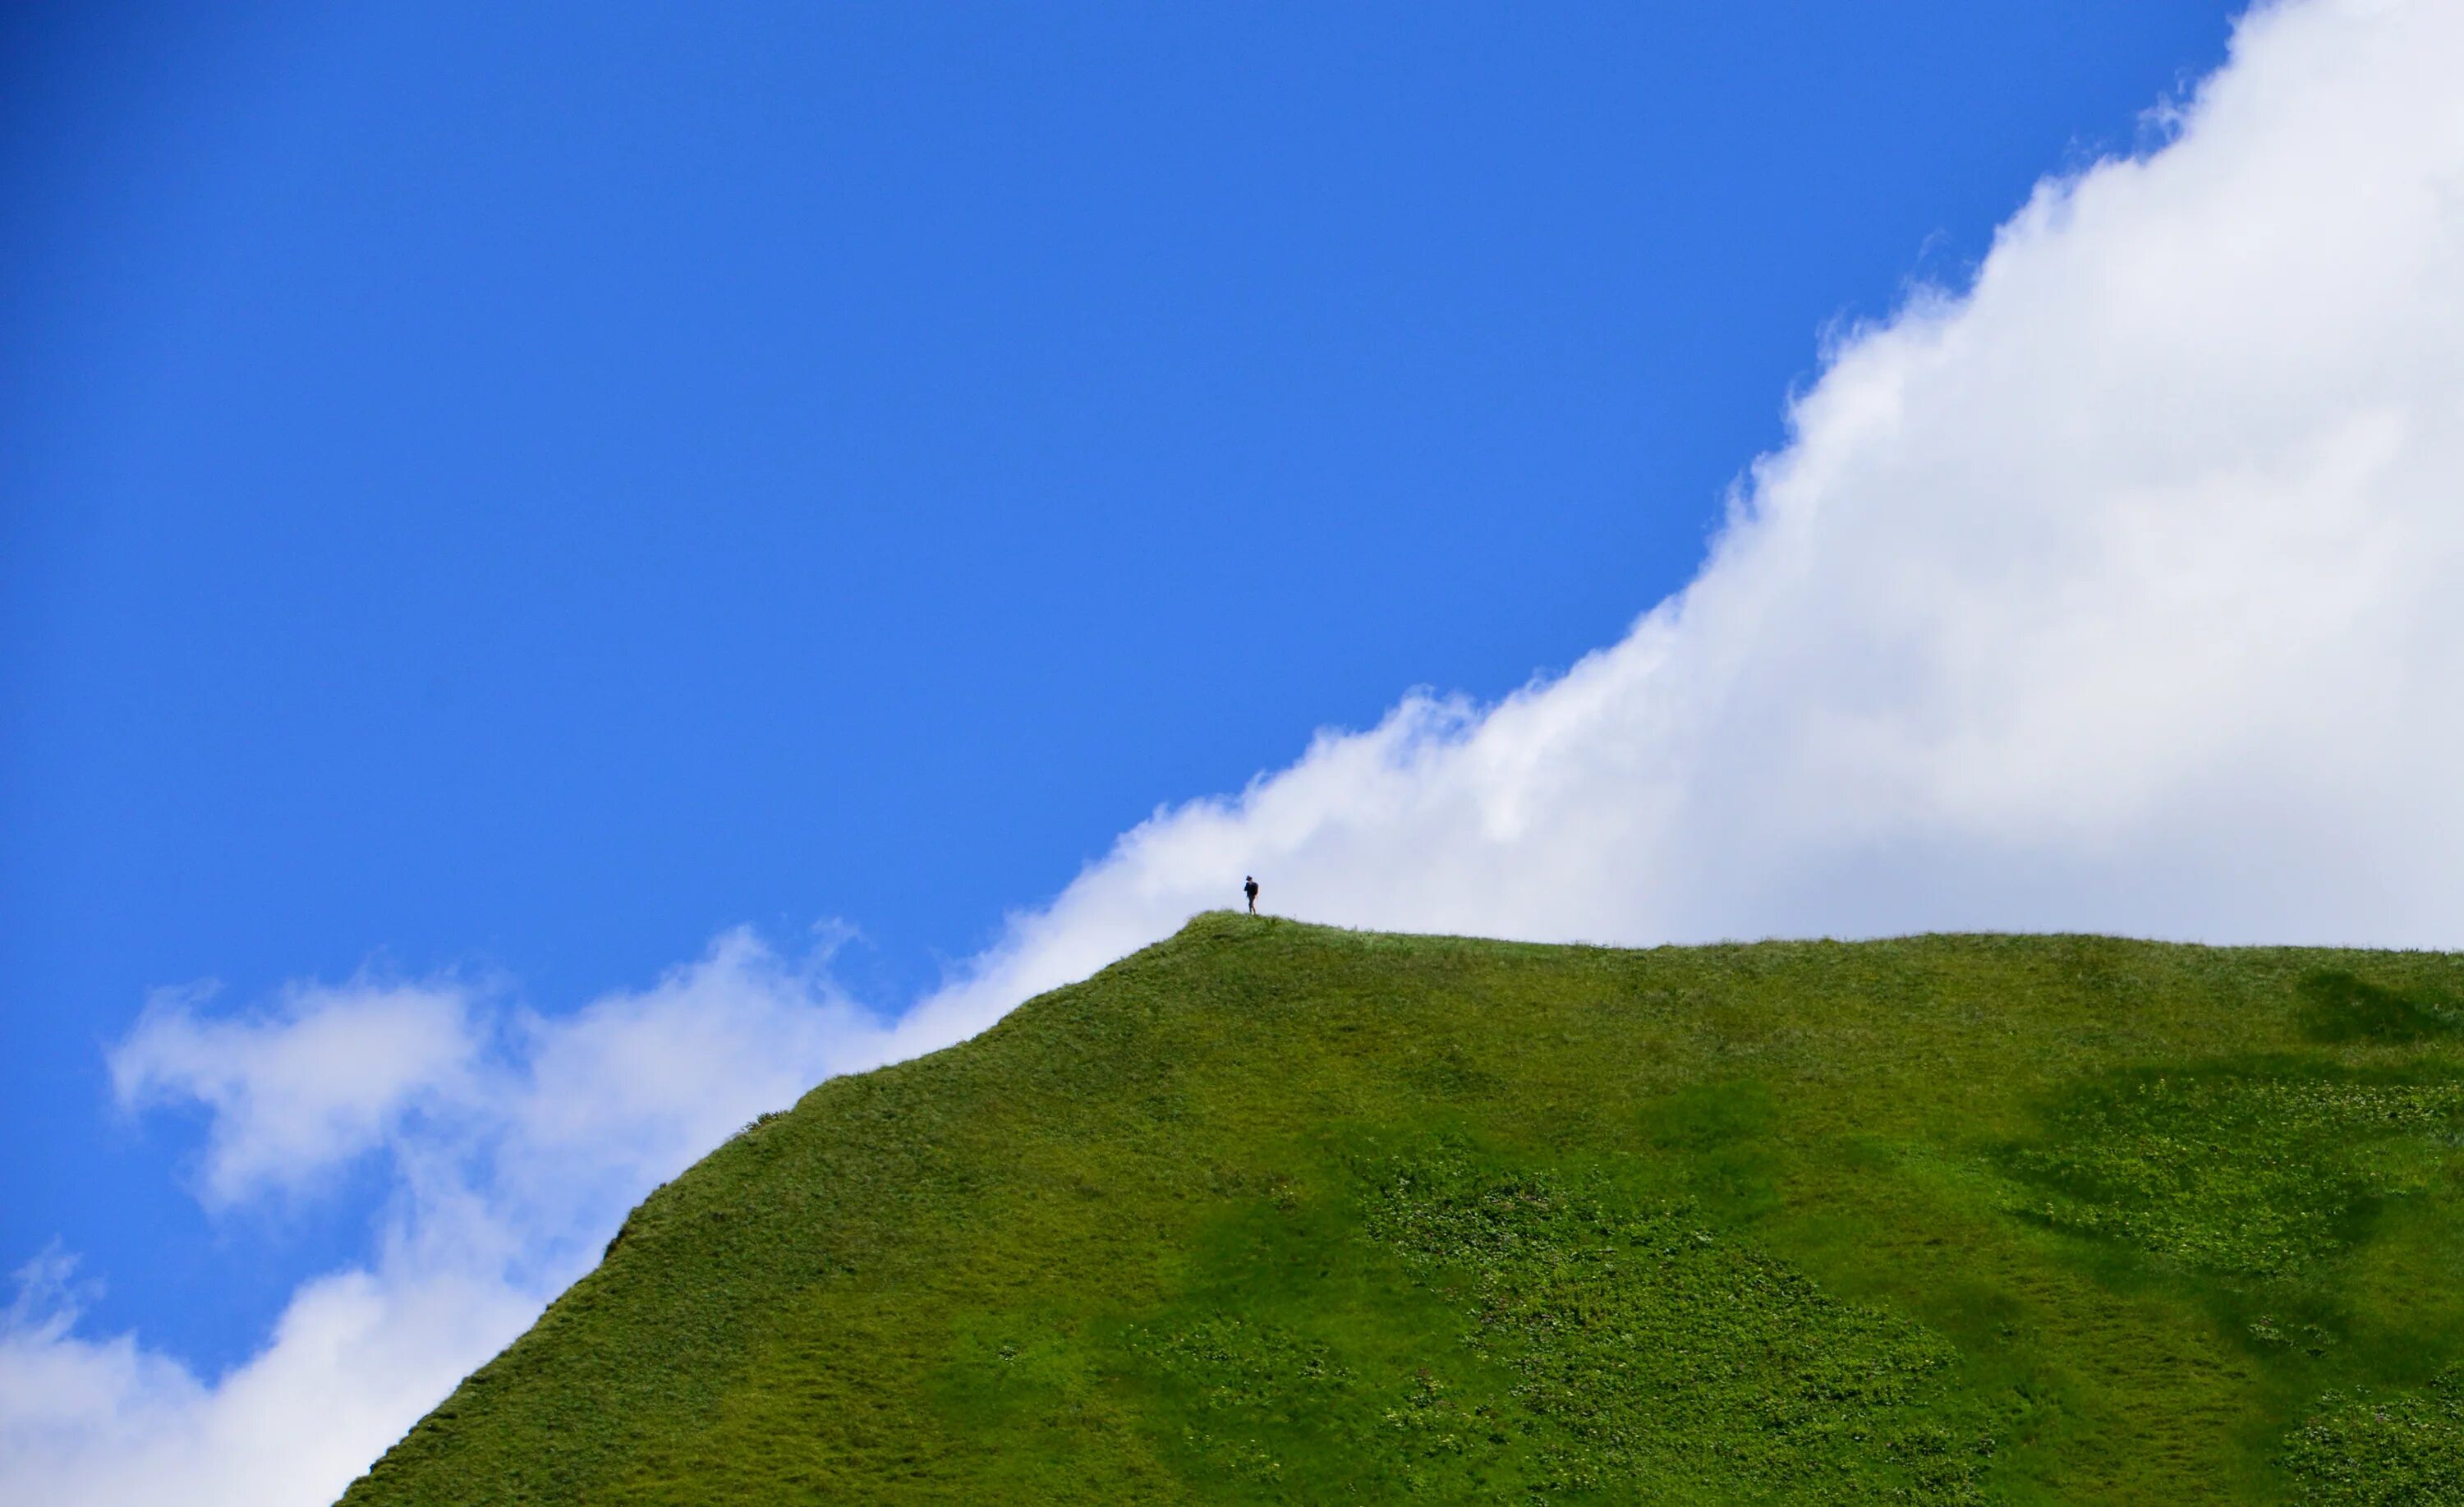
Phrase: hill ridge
x=1271 y=1210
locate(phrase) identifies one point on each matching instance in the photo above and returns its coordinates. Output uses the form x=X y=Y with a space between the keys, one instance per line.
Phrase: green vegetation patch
x=1303 y=1361
x=2366 y=1448
x=2337 y=1007
x=1241 y=1374
x=1652 y=1353
x=2253 y=1171
x=1552 y=1336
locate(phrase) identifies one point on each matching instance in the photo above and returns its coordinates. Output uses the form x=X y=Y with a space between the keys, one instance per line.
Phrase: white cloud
x=356 y=1357
x=2117 y=593
x=323 y=1078
x=515 y=1143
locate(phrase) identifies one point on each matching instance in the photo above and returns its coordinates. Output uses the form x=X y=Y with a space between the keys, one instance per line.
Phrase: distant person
x=1249 y=887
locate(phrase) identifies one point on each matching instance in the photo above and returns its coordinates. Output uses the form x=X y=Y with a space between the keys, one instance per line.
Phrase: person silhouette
x=1249 y=887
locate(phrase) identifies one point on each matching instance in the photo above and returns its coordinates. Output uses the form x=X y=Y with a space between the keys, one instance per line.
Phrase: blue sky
x=521 y=493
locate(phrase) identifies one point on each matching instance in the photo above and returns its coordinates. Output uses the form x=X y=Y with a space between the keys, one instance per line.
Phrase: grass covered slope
x=1277 y=1212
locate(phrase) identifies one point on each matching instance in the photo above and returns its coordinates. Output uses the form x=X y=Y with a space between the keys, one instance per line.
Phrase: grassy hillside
x=1276 y=1212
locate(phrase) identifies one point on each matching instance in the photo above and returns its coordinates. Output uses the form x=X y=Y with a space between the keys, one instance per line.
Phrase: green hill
x=1278 y=1213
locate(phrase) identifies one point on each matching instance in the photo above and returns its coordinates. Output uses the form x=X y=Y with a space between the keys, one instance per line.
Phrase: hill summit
x=1279 y=1213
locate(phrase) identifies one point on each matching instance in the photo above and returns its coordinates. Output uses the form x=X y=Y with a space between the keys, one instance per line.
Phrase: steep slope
x=1279 y=1213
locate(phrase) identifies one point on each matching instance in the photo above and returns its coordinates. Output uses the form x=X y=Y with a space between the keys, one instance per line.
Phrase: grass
x=1272 y=1213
